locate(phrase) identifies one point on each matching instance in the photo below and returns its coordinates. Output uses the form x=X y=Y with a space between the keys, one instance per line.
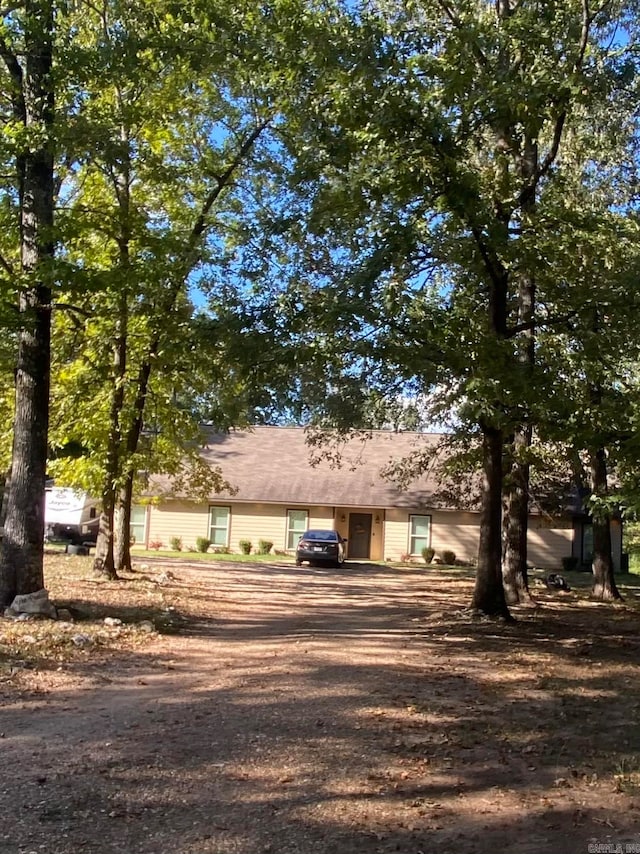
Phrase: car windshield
x=326 y=536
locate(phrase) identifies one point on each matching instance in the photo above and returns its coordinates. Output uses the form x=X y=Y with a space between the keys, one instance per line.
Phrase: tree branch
x=549 y=160
x=15 y=73
x=6 y=265
x=221 y=182
x=457 y=23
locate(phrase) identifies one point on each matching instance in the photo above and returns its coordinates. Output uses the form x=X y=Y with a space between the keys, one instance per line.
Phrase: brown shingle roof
x=277 y=465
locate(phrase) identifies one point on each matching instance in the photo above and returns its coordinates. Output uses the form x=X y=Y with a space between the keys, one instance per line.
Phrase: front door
x=359 y=545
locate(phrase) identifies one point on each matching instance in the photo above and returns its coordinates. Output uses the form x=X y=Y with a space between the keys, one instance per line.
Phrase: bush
x=264 y=546
x=155 y=544
x=449 y=557
x=570 y=563
x=176 y=544
x=428 y=554
x=245 y=546
x=202 y=544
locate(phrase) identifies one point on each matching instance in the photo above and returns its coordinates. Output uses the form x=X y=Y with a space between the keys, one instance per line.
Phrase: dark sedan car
x=321 y=547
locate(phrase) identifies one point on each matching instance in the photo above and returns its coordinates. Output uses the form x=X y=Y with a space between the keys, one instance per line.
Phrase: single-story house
x=280 y=487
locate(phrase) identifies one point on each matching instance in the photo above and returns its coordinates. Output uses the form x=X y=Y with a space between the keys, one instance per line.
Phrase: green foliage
x=202 y=544
x=448 y=557
x=428 y=554
x=569 y=563
x=176 y=544
x=264 y=547
x=175 y=112
x=245 y=546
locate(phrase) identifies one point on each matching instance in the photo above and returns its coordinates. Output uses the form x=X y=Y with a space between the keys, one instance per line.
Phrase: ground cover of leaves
x=267 y=708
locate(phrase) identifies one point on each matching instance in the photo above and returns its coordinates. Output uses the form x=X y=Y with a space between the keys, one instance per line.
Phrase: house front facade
x=280 y=487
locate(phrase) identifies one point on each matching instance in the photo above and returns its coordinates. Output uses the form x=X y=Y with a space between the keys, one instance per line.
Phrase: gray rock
x=34 y=603
x=82 y=640
x=147 y=626
x=112 y=621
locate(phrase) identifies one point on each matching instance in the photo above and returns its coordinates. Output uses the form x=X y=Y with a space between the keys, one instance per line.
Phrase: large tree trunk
x=21 y=555
x=4 y=485
x=123 y=526
x=488 y=595
x=514 y=571
x=604 y=585
x=517 y=521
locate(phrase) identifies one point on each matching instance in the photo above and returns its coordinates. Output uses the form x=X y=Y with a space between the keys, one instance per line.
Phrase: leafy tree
x=432 y=194
x=26 y=50
x=179 y=122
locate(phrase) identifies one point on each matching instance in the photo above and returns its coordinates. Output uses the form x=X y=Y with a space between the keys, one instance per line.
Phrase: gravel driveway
x=349 y=711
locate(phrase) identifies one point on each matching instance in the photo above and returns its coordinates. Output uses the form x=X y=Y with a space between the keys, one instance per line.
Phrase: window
x=219 y=525
x=297 y=521
x=137 y=527
x=419 y=533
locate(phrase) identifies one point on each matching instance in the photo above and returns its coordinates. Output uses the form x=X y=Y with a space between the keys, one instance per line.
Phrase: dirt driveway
x=359 y=711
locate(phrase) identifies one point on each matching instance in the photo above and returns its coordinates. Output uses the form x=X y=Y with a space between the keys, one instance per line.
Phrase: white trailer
x=70 y=516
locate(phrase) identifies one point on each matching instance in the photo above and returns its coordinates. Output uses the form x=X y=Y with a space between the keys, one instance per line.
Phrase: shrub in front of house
x=155 y=544
x=570 y=563
x=428 y=554
x=202 y=544
x=176 y=544
x=449 y=557
x=264 y=546
x=245 y=546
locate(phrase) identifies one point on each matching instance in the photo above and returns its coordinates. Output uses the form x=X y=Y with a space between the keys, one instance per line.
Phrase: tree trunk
x=104 y=561
x=6 y=480
x=488 y=595
x=123 y=526
x=514 y=571
x=604 y=585
x=21 y=554
x=517 y=513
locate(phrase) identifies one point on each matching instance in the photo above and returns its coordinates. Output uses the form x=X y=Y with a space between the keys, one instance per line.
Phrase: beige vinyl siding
x=254 y=522
x=184 y=519
x=396 y=534
x=456 y=531
x=269 y=522
x=548 y=542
